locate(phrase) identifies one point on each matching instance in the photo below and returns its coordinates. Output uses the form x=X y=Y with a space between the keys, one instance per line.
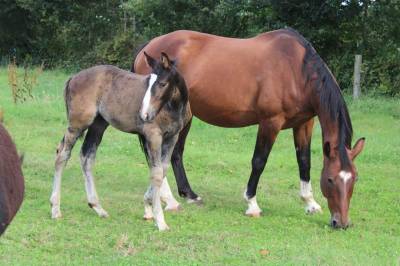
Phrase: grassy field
x=218 y=164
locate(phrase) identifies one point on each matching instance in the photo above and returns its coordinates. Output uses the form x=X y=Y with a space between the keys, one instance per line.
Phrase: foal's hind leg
x=88 y=155
x=166 y=193
x=62 y=156
x=302 y=141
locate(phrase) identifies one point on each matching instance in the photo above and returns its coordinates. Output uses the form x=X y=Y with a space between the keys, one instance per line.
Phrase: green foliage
x=22 y=84
x=75 y=34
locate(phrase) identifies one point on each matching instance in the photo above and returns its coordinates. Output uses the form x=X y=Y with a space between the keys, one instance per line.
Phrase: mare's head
x=337 y=180
x=165 y=86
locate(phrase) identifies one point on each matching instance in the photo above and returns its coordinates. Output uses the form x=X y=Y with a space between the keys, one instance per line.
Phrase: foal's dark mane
x=330 y=96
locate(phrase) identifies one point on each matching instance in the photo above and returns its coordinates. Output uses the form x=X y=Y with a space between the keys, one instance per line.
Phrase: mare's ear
x=357 y=148
x=327 y=149
x=150 y=60
x=165 y=61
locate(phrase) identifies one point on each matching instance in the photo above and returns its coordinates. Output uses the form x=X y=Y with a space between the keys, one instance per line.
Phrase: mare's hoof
x=313 y=208
x=197 y=201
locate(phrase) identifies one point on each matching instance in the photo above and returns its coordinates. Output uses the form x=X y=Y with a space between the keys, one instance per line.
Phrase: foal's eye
x=163 y=84
x=330 y=180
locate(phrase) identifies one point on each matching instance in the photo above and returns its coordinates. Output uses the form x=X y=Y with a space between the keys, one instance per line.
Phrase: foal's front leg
x=153 y=195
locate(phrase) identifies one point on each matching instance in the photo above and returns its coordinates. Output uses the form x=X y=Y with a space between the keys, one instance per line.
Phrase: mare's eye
x=163 y=84
x=330 y=180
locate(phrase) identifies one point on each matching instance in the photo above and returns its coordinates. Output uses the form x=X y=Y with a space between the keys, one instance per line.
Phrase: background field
x=218 y=163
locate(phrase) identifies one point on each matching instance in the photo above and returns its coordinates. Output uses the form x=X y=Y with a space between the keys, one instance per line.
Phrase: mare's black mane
x=330 y=96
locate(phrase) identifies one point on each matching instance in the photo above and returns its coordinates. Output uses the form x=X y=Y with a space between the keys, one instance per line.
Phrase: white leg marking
x=168 y=197
x=148 y=210
x=253 y=209
x=92 y=197
x=55 y=197
x=146 y=100
x=345 y=176
x=307 y=196
x=156 y=181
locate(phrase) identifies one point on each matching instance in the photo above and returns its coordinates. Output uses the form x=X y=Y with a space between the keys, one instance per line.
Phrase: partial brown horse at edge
x=11 y=180
x=278 y=81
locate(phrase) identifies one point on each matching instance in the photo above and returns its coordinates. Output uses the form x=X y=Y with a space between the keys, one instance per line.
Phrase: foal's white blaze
x=253 y=208
x=307 y=196
x=147 y=97
x=345 y=176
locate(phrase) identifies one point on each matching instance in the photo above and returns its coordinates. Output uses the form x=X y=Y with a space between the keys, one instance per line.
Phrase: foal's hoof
x=313 y=208
x=163 y=227
x=253 y=214
x=56 y=214
x=99 y=210
x=148 y=217
x=197 y=201
x=175 y=208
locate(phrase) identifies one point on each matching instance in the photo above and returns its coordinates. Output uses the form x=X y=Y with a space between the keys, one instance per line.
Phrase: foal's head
x=165 y=86
x=338 y=179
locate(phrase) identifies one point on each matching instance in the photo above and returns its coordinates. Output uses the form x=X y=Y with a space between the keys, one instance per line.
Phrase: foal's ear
x=327 y=149
x=165 y=61
x=357 y=148
x=150 y=60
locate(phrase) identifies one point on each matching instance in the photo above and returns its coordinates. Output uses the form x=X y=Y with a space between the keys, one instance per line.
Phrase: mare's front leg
x=267 y=132
x=302 y=141
x=152 y=198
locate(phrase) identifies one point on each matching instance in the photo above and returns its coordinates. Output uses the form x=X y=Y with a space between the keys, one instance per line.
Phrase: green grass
x=218 y=164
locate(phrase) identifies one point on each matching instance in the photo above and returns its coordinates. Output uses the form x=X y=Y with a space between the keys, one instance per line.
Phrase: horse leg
x=62 y=156
x=153 y=195
x=302 y=141
x=267 y=132
x=87 y=156
x=182 y=182
x=166 y=193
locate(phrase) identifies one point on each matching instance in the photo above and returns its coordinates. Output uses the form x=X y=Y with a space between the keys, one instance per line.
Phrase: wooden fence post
x=357 y=78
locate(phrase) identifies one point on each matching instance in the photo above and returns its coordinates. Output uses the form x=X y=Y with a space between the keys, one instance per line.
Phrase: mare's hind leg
x=302 y=141
x=62 y=156
x=88 y=155
x=267 y=132
x=184 y=188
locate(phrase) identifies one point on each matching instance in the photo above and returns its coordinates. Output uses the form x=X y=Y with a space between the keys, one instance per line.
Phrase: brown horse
x=154 y=106
x=11 y=180
x=278 y=81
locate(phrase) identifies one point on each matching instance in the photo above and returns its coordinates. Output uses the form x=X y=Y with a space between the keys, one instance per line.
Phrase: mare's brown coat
x=11 y=180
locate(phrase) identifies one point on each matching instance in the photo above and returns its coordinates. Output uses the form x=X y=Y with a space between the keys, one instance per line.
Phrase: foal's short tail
x=67 y=96
x=142 y=140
